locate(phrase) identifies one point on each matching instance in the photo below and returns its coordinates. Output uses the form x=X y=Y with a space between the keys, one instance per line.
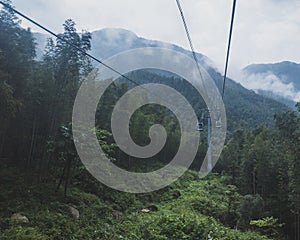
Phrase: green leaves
x=266 y=222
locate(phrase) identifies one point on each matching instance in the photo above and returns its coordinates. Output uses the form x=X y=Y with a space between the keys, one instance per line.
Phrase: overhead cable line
x=192 y=47
x=189 y=37
x=67 y=42
x=83 y=52
x=228 y=48
x=200 y=124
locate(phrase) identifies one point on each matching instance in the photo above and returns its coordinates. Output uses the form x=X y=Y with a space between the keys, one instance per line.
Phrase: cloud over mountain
x=279 y=79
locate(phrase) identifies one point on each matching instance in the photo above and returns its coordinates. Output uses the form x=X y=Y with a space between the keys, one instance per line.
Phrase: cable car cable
x=67 y=42
x=229 y=45
x=188 y=36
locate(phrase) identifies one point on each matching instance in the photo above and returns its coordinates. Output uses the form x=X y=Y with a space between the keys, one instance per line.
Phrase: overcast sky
x=265 y=30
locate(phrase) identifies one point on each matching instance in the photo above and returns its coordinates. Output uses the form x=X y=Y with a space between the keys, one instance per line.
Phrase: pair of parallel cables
x=192 y=47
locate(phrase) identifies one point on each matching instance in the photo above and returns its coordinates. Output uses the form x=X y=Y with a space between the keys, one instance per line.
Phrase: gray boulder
x=19 y=218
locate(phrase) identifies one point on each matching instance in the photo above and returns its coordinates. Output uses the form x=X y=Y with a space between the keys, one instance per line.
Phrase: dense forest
x=253 y=192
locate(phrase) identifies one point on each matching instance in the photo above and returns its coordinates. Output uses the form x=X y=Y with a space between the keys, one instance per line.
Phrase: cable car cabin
x=200 y=126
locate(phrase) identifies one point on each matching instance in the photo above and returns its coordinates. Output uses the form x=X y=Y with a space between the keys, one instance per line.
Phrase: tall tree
x=17 y=52
x=289 y=127
x=71 y=66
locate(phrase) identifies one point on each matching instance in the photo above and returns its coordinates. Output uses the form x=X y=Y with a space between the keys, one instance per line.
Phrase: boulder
x=74 y=212
x=145 y=210
x=19 y=218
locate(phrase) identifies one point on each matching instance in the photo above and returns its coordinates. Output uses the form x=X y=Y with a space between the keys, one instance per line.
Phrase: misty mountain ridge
x=245 y=108
x=280 y=81
x=111 y=41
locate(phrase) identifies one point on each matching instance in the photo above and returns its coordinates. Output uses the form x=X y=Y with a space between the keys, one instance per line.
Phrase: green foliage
x=109 y=214
x=187 y=217
x=22 y=233
x=37 y=152
x=266 y=222
x=106 y=142
x=268 y=226
x=9 y=105
x=251 y=207
x=264 y=164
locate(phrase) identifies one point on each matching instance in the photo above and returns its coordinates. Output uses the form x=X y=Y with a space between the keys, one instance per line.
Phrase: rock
x=151 y=208
x=176 y=194
x=74 y=212
x=145 y=210
x=19 y=218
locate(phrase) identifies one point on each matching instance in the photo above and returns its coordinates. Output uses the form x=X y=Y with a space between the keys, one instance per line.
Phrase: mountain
x=110 y=41
x=280 y=81
x=245 y=108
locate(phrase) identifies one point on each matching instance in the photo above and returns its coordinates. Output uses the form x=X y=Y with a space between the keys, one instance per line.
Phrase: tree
x=289 y=127
x=17 y=51
x=71 y=66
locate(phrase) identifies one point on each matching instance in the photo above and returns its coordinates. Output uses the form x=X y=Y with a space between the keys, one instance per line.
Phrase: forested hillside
x=47 y=193
x=245 y=108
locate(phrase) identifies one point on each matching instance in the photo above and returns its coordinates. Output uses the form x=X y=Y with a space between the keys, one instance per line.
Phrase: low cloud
x=270 y=82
